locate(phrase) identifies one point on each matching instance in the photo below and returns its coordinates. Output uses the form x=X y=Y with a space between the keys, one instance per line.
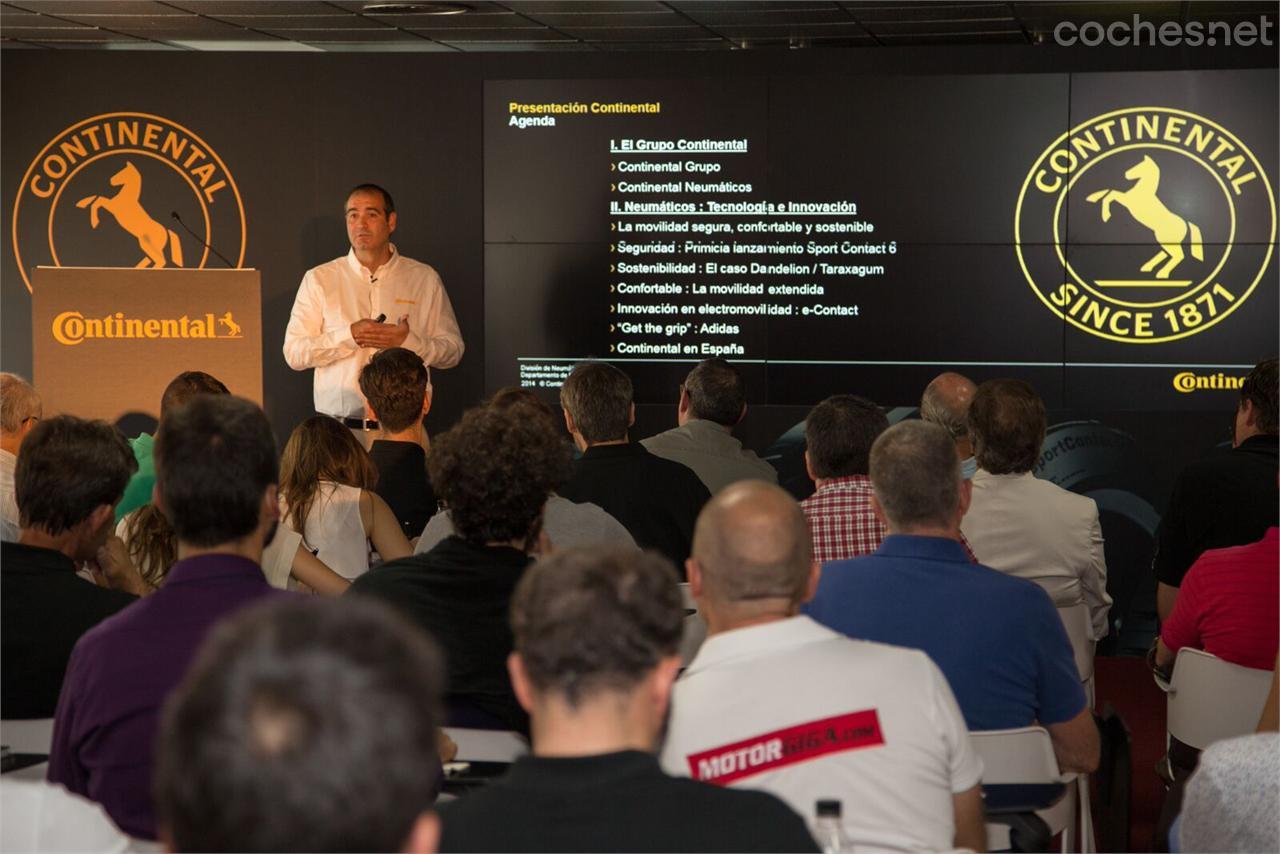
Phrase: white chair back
x=1210 y=699
x=1025 y=755
x=1079 y=626
x=486 y=745
x=33 y=736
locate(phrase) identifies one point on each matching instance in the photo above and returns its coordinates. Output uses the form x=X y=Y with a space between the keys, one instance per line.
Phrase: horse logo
x=233 y=328
x=1145 y=206
x=126 y=207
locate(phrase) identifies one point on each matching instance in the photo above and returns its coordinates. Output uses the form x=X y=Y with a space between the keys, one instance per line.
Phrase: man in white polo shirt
x=775 y=701
x=371 y=299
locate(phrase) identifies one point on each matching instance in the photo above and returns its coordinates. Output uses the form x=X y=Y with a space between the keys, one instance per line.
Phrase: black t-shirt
x=461 y=594
x=45 y=609
x=1229 y=498
x=403 y=483
x=656 y=499
x=615 y=802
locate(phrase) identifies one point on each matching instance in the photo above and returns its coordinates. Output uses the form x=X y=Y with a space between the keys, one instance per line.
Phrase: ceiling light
x=414 y=8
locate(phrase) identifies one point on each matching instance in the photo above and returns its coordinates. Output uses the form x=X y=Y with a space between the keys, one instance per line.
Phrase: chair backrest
x=1211 y=699
x=27 y=736
x=1079 y=628
x=488 y=745
x=1022 y=755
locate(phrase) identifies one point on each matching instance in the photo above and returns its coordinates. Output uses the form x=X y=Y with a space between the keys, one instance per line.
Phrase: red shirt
x=1229 y=604
x=841 y=522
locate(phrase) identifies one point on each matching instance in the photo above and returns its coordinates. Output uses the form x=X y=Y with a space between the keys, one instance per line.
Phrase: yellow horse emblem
x=127 y=208
x=1145 y=206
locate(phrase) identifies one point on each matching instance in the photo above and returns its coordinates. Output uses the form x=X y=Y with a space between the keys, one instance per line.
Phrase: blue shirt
x=998 y=639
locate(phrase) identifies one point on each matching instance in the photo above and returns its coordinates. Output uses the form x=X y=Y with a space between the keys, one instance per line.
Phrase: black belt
x=359 y=424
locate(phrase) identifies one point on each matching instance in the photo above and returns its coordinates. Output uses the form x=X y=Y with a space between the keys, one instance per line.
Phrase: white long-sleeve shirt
x=337 y=294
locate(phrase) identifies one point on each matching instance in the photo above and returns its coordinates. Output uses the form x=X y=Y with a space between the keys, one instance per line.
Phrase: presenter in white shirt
x=371 y=299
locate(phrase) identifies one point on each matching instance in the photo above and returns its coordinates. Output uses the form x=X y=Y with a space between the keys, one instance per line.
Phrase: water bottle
x=828 y=828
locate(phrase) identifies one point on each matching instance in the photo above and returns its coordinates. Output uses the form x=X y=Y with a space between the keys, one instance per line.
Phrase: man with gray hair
x=657 y=500
x=945 y=402
x=713 y=400
x=775 y=701
x=20 y=411
x=997 y=638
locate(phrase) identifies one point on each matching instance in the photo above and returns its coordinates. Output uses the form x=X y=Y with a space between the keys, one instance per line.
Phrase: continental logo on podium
x=1145 y=225
x=115 y=190
x=72 y=327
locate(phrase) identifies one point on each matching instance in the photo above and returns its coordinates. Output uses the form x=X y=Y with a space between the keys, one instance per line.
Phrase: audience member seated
x=597 y=634
x=1229 y=606
x=216 y=475
x=1229 y=498
x=1230 y=802
x=326 y=492
x=304 y=726
x=945 y=402
x=397 y=390
x=493 y=470
x=152 y=547
x=69 y=477
x=997 y=638
x=567 y=523
x=1025 y=526
x=713 y=400
x=20 y=412
x=180 y=389
x=656 y=499
x=877 y=725
x=838 y=437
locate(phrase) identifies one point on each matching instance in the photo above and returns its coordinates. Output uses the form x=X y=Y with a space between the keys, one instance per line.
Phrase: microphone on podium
x=203 y=243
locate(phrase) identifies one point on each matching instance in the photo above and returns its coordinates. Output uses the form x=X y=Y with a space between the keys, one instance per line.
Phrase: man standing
x=596 y=639
x=216 y=476
x=20 y=411
x=1229 y=498
x=1023 y=525
x=713 y=400
x=774 y=701
x=337 y=320
x=997 y=638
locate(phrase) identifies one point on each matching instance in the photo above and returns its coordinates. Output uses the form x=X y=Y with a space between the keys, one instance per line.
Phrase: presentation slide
x=1108 y=237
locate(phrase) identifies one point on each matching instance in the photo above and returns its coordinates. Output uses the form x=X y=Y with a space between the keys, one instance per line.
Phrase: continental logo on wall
x=1187 y=382
x=72 y=327
x=1145 y=225
x=116 y=190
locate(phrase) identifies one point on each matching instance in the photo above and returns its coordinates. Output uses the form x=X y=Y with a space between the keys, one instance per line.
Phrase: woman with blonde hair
x=326 y=495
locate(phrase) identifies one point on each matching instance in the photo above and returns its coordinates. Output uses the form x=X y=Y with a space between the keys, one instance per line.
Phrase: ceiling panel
x=828 y=15
x=594 y=19
x=708 y=44
x=192 y=26
x=515 y=47
x=415 y=46
x=731 y=6
x=551 y=7
x=634 y=34
x=336 y=21
x=496 y=20
x=845 y=29
x=932 y=13
x=231 y=8
x=91 y=7
x=540 y=34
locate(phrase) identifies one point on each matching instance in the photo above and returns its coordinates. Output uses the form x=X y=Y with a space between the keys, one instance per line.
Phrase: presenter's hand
x=369 y=333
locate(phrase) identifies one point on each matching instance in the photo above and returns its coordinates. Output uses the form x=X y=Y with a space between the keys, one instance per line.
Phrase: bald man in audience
x=997 y=638
x=775 y=701
x=946 y=403
x=597 y=633
x=20 y=411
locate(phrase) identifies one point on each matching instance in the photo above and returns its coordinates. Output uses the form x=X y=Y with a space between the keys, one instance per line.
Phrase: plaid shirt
x=842 y=524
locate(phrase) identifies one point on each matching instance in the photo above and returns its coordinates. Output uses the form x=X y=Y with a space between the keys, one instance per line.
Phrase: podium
x=106 y=341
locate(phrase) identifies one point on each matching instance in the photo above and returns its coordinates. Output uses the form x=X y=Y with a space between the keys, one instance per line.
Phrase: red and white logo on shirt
x=765 y=752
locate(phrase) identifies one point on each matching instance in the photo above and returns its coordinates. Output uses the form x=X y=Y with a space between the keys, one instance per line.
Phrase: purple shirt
x=122 y=670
